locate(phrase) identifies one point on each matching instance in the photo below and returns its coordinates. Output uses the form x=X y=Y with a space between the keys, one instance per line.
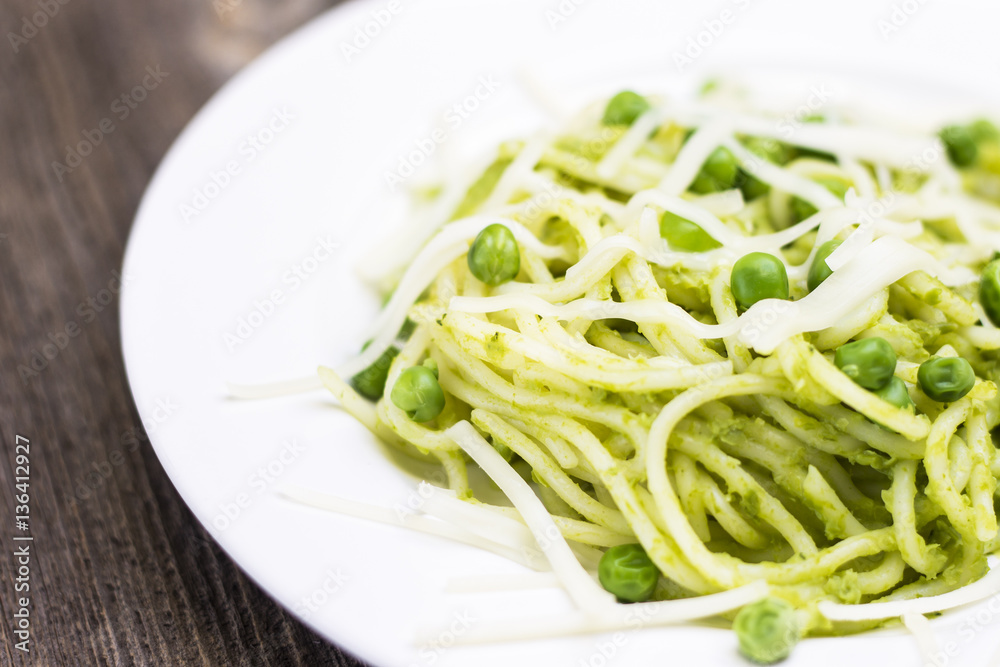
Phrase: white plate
x=230 y=231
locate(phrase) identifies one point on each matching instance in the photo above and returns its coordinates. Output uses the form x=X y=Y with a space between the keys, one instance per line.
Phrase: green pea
x=409 y=326
x=960 y=145
x=768 y=149
x=946 y=379
x=627 y=572
x=494 y=257
x=751 y=187
x=370 y=382
x=482 y=188
x=682 y=234
x=801 y=209
x=503 y=450
x=870 y=361
x=418 y=394
x=983 y=130
x=895 y=392
x=815 y=155
x=820 y=270
x=989 y=291
x=767 y=630
x=719 y=172
x=405 y=331
x=624 y=108
x=757 y=276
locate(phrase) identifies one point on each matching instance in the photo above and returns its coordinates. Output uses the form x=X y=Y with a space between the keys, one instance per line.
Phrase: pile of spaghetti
x=683 y=334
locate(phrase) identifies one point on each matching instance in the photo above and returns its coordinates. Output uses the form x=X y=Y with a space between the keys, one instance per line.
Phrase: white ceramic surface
x=289 y=160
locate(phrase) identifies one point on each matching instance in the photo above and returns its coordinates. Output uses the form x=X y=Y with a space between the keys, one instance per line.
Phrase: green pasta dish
x=738 y=368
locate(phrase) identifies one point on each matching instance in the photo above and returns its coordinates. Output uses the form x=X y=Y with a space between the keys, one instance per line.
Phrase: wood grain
x=121 y=573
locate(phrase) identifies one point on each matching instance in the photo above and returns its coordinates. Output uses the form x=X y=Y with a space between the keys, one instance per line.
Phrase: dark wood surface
x=120 y=571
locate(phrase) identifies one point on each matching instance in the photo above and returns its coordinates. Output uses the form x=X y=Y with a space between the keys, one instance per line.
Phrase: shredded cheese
x=584 y=591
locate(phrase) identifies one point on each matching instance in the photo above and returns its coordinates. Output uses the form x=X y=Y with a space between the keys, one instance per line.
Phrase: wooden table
x=120 y=572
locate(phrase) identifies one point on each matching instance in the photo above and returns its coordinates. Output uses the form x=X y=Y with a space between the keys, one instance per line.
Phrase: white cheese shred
x=274 y=389
x=501 y=583
x=417 y=522
x=694 y=153
x=583 y=590
x=980 y=590
x=517 y=171
x=449 y=244
x=628 y=144
x=386 y=260
x=768 y=322
x=923 y=633
x=611 y=619
x=483 y=522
